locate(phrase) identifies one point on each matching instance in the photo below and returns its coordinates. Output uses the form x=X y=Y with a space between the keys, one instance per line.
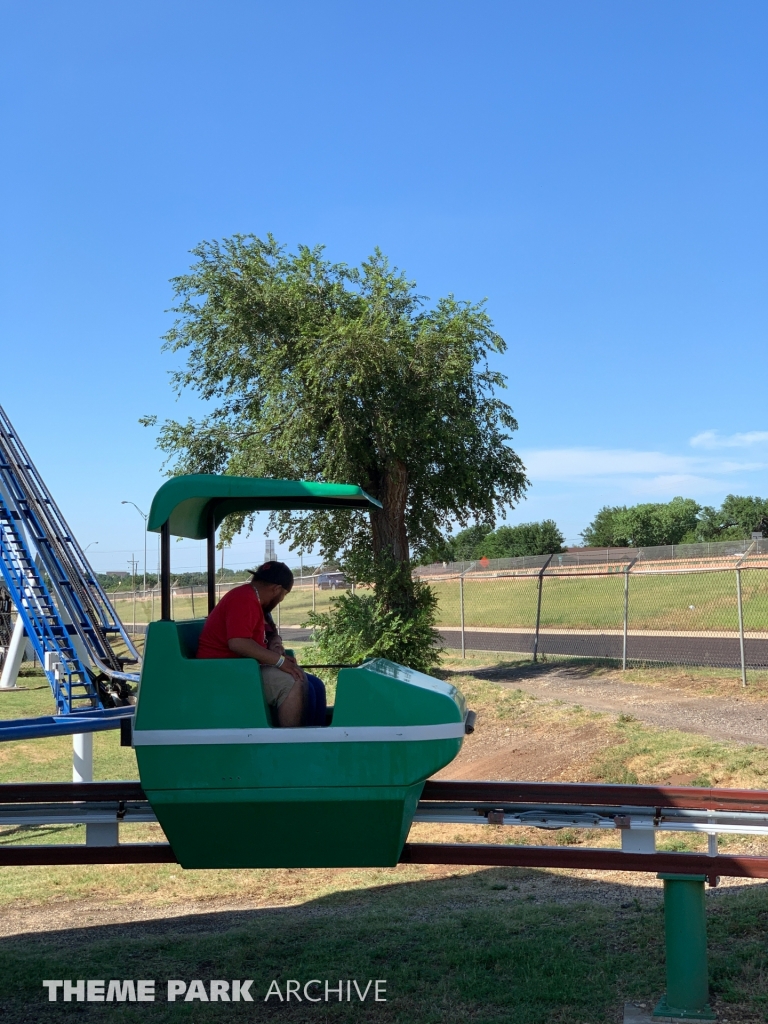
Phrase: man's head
x=273 y=581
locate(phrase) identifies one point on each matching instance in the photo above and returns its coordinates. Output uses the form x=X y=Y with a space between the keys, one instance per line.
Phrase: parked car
x=333 y=581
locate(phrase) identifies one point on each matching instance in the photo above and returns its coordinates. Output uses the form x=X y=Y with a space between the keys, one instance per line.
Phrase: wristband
x=280 y=660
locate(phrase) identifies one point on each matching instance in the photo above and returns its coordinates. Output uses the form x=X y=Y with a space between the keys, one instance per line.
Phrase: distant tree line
x=481 y=541
x=680 y=521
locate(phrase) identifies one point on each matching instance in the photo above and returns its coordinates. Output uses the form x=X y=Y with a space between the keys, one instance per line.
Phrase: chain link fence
x=695 y=604
x=136 y=608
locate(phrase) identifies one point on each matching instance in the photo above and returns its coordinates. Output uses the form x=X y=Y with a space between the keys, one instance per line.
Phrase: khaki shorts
x=276 y=685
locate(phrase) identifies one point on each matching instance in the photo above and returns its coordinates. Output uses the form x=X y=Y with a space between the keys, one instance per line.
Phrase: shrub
x=360 y=626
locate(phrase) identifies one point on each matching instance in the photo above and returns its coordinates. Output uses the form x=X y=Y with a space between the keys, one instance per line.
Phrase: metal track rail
x=571 y=805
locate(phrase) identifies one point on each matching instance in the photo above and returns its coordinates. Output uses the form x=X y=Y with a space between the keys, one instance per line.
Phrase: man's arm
x=244 y=647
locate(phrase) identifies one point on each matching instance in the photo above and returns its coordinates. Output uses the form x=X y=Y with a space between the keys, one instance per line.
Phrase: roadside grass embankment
x=454 y=944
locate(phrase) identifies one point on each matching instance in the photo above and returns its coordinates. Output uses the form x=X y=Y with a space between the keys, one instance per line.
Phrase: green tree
x=466 y=542
x=650 y=525
x=320 y=371
x=543 y=538
x=645 y=525
x=601 y=531
x=736 y=519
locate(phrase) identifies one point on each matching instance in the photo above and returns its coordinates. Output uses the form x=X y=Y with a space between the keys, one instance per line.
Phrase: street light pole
x=144 y=516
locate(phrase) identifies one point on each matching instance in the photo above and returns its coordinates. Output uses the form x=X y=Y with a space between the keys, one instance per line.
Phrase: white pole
x=82 y=757
x=103 y=833
x=14 y=656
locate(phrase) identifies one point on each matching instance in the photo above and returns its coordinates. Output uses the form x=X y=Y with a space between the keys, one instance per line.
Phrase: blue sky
x=596 y=170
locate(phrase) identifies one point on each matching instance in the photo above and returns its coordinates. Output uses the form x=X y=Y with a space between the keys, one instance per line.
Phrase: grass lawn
x=454 y=944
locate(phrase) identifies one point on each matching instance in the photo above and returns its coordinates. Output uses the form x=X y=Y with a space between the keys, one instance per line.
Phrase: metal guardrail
x=629 y=809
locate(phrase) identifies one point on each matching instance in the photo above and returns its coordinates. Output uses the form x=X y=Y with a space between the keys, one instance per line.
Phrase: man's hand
x=291 y=667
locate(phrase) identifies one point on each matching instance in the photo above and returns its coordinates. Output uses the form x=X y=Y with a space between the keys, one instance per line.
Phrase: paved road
x=718 y=652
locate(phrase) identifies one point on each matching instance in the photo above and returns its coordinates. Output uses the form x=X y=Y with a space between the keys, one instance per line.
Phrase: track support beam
x=685 y=931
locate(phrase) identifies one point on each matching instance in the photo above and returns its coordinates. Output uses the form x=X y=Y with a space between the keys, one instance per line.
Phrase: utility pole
x=145 y=517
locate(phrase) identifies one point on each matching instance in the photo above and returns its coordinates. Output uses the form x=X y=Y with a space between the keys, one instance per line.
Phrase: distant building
x=120 y=573
x=269 y=550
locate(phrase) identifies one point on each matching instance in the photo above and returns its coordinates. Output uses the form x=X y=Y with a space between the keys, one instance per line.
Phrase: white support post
x=106 y=834
x=638 y=840
x=14 y=656
x=82 y=757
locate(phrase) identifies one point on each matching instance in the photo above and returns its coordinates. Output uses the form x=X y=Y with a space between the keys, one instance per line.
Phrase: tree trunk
x=390 y=539
x=388 y=525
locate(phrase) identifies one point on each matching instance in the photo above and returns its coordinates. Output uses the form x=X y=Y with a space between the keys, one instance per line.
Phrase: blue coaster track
x=67 y=616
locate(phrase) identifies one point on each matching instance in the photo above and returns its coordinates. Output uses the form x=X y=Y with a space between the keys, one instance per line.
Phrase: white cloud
x=711 y=439
x=667 y=486
x=650 y=469
x=567 y=463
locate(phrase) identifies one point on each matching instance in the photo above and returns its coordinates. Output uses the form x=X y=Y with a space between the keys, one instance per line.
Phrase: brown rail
x=595 y=860
x=460 y=789
x=477 y=854
x=690 y=797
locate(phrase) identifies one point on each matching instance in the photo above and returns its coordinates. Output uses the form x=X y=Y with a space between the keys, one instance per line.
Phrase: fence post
x=278 y=618
x=461 y=610
x=313 y=593
x=134 y=613
x=626 y=613
x=741 y=629
x=538 y=609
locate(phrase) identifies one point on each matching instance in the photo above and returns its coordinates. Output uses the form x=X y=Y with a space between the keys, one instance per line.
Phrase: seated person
x=315 y=701
x=237 y=628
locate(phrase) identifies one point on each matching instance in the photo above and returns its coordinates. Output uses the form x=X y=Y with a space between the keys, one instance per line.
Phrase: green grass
x=477 y=947
x=454 y=944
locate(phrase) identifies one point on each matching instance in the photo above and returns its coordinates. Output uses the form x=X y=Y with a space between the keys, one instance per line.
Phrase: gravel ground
x=737 y=719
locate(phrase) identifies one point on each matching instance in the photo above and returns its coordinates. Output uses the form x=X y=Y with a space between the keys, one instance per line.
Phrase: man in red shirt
x=236 y=628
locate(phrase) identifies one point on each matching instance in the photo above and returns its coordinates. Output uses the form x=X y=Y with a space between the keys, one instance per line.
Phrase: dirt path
x=736 y=719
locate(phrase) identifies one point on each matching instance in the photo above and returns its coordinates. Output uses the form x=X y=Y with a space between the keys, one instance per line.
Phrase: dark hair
x=274 y=572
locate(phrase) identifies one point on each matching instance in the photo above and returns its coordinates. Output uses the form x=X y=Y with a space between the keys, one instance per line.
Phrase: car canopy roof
x=188 y=502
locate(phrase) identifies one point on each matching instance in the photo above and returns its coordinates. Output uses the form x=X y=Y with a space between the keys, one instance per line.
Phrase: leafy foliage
x=645 y=525
x=679 y=521
x=736 y=519
x=601 y=532
x=361 y=626
x=544 y=538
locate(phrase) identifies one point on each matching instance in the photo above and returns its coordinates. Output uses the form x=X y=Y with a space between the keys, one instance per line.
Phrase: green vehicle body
x=230 y=790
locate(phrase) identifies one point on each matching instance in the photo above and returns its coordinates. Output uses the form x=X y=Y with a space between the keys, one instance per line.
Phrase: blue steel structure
x=65 y=612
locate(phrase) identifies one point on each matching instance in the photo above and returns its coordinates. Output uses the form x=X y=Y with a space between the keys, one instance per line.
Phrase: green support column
x=685 y=929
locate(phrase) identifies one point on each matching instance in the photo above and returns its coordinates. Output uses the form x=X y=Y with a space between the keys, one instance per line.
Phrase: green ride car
x=231 y=790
